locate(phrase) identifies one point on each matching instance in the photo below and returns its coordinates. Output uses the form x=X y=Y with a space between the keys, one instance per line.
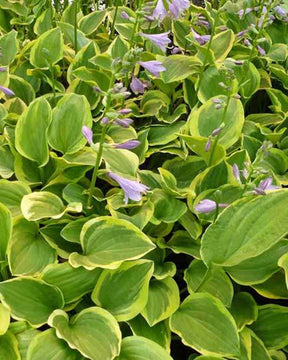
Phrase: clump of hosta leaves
x=143 y=166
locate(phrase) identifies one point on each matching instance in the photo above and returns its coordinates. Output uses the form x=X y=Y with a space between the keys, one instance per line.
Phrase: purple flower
x=241 y=33
x=217 y=101
x=265 y=185
x=128 y=145
x=137 y=86
x=261 y=50
x=6 y=91
x=208 y=145
x=124 y=15
x=247 y=42
x=88 y=133
x=132 y=189
x=177 y=7
x=280 y=11
x=261 y=20
x=207 y=205
x=201 y=39
x=125 y=111
x=2 y=69
x=159 y=12
x=97 y=89
x=216 y=131
x=105 y=120
x=125 y=122
x=175 y=50
x=243 y=12
x=153 y=66
x=236 y=172
x=160 y=40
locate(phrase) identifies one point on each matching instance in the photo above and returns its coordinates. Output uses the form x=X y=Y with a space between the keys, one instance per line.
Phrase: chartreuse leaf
x=60 y=275
x=11 y=194
x=89 y=23
x=258 y=349
x=6 y=229
x=271 y=326
x=179 y=67
x=47 y=346
x=273 y=288
x=9 y=347
x=6 y=162
x=24 y=339
x=251 y=235
x=204 y=324
x=107 y=242
x=4 y=319
x=163 y=300
x=138 y=348
x=31 y=131
x=160 y=333
x=47 y=49
x=129 y=286
x=244 y=309
x=42 y=204
x=217 y=284
x=69 y=116
x=30 y=299
x=258 y=269
x=207 y=118
x=9 y=44
x=94 y=332
x=283 y=263
x=28 y=252
x=222 y=44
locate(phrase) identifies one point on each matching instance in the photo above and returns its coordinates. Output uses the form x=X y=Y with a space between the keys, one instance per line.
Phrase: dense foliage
x=143 y=165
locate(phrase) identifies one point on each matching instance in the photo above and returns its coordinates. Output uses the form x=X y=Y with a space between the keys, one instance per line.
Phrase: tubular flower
x=160 y=40
x=177 y=7
x=153 y=66
x=132 y=189
x=128 y=145
x=6 y=91
x=125 y=122
x=207 y=206
x=159 y=12
x=265 y=185
x=137 y=86
x=201 y=39
x=87 y=132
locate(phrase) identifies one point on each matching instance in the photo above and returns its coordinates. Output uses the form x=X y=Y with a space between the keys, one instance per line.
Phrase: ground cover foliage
x=143 y=165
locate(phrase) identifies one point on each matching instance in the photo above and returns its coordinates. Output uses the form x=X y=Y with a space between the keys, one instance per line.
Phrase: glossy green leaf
x=251 y=237
x=93 y=332
x=28 y=252
x=137 y=348
x=11 y=194
x=163 y=300
x=204 y=324
x=17 y=294
x=6 y=229
x=129 y=286
x=8 y=347
x=60 y=275
x=68 y=117
x=244 y=309
x=31 y=132
x=47 y=346
x=179 y=67
x=47 y=49
x=4 y=319
x=8 y=42
x=107 y=242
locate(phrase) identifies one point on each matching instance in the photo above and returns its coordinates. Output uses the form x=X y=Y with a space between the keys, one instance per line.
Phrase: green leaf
x=222 y=44
x=258 y=350
x=70 y=115
x=47 y=49
x=251 y=235
x=273 y=288
x=4 y=319
x=60 y=275
x=217 y=284
x=9 y=347
x=11 y=194
x=28 y=252
x=89 y=23
x=6 y=162
x=163 y=300
x=204 y=324
x=47 y=346
x=6 y=229
x=120 y=161
x=271 y=326
x=31 y=132
x=9 y=45
x=258 y=269
x=207 y=118
x=179 y=67
x=40 y=205
x=166 y=207
x=244 y=309
x=107 y=242
x=24 y=339
x=159 y=333
x=129 y=286
x=30 y=299
x=93 y=332
x=138 y=348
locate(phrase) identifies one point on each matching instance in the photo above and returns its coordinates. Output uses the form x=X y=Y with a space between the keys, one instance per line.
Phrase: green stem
x=96 y=168
x=134 y=31
x=247 y=182
x=114 y=20
x=75 y=26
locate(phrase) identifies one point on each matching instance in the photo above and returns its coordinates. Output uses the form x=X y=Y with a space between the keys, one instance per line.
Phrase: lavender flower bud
x=97 y=89
x=218 y=106
x=126 y=122
x=7 y=91
x=236 y=172
x=88 y=133
x=105 y=120
x=125 y=111
x=2 y=69
x=128 y=145
x=124 y=15
x=216 y=131
x=208 y=145
x=205 y=206
x=261 y=50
